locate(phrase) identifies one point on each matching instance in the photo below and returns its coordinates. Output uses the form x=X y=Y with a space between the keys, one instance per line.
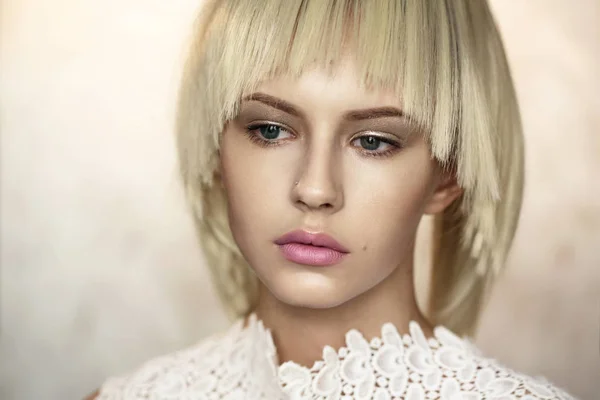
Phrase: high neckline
x=242 y=363
x=391 y=361
x=441 y=336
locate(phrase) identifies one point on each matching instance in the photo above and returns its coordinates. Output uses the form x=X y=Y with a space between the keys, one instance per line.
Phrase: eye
x=375 y=146
x=267 y=135
x=269 y=132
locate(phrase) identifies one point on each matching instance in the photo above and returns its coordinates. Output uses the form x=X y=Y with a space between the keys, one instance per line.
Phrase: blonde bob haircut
x=446 y=61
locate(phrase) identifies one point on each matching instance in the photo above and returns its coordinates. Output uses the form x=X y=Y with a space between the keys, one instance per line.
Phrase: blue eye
x=370 y=142
x=267 y=135
x=269 y=131
x=373 y=144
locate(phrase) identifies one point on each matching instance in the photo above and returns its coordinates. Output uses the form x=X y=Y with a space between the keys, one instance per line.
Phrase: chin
x=310 y=291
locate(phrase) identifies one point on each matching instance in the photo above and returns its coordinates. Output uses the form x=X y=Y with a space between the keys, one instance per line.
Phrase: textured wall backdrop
x=100 y=268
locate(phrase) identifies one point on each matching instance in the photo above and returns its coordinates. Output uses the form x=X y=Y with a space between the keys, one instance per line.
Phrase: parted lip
x=314 y=239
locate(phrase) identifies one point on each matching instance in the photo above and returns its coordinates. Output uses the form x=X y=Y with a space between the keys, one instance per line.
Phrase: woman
x=313 y=136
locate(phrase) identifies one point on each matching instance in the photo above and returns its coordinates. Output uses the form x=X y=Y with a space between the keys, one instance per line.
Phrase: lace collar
x=243 y=364
x=394 y=365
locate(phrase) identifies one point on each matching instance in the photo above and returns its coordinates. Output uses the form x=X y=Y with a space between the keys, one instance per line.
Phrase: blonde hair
x=444 y=58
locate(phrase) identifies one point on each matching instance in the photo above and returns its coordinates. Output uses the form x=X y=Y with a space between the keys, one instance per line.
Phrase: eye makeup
x=256 y=133
x=267 y=134
x=378 y=136
x=391 y=146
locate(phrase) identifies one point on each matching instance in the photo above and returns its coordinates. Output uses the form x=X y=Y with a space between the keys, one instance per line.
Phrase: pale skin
x=316 y=174
x=320 y=177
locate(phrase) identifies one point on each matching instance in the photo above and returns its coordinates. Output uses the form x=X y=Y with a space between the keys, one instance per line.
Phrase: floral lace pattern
x=243 y=364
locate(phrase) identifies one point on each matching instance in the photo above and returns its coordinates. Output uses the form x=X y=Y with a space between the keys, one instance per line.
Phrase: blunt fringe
x=444 y=58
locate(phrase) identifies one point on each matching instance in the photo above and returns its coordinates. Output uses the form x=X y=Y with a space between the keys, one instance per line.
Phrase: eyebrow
x=353 y=115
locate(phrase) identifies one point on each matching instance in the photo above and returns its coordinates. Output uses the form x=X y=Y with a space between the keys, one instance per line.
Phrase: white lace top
x=242 y=364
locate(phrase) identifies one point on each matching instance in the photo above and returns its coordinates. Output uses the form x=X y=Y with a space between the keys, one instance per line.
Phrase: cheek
x=390 y=201
x=253 y=181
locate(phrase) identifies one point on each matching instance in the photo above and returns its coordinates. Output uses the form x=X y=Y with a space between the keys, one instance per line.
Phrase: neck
x=301 y=333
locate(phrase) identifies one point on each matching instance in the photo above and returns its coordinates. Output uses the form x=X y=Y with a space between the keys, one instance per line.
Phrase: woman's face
x=324 y=156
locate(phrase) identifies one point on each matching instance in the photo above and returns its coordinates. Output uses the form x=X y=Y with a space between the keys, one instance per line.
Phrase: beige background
x=100 y=268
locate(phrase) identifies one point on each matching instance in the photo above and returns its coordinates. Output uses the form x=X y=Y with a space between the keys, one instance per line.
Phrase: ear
x=446 y=191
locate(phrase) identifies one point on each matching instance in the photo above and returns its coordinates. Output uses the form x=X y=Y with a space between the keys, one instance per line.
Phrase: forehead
x=337 y=88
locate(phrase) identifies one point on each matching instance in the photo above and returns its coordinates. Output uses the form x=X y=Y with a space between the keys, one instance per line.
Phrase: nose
x=318 y=186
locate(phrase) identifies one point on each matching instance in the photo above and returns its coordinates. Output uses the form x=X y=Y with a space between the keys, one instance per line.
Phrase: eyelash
x=255 y=138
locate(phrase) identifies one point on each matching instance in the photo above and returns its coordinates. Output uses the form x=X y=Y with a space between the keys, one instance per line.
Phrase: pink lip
x=317 y=249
